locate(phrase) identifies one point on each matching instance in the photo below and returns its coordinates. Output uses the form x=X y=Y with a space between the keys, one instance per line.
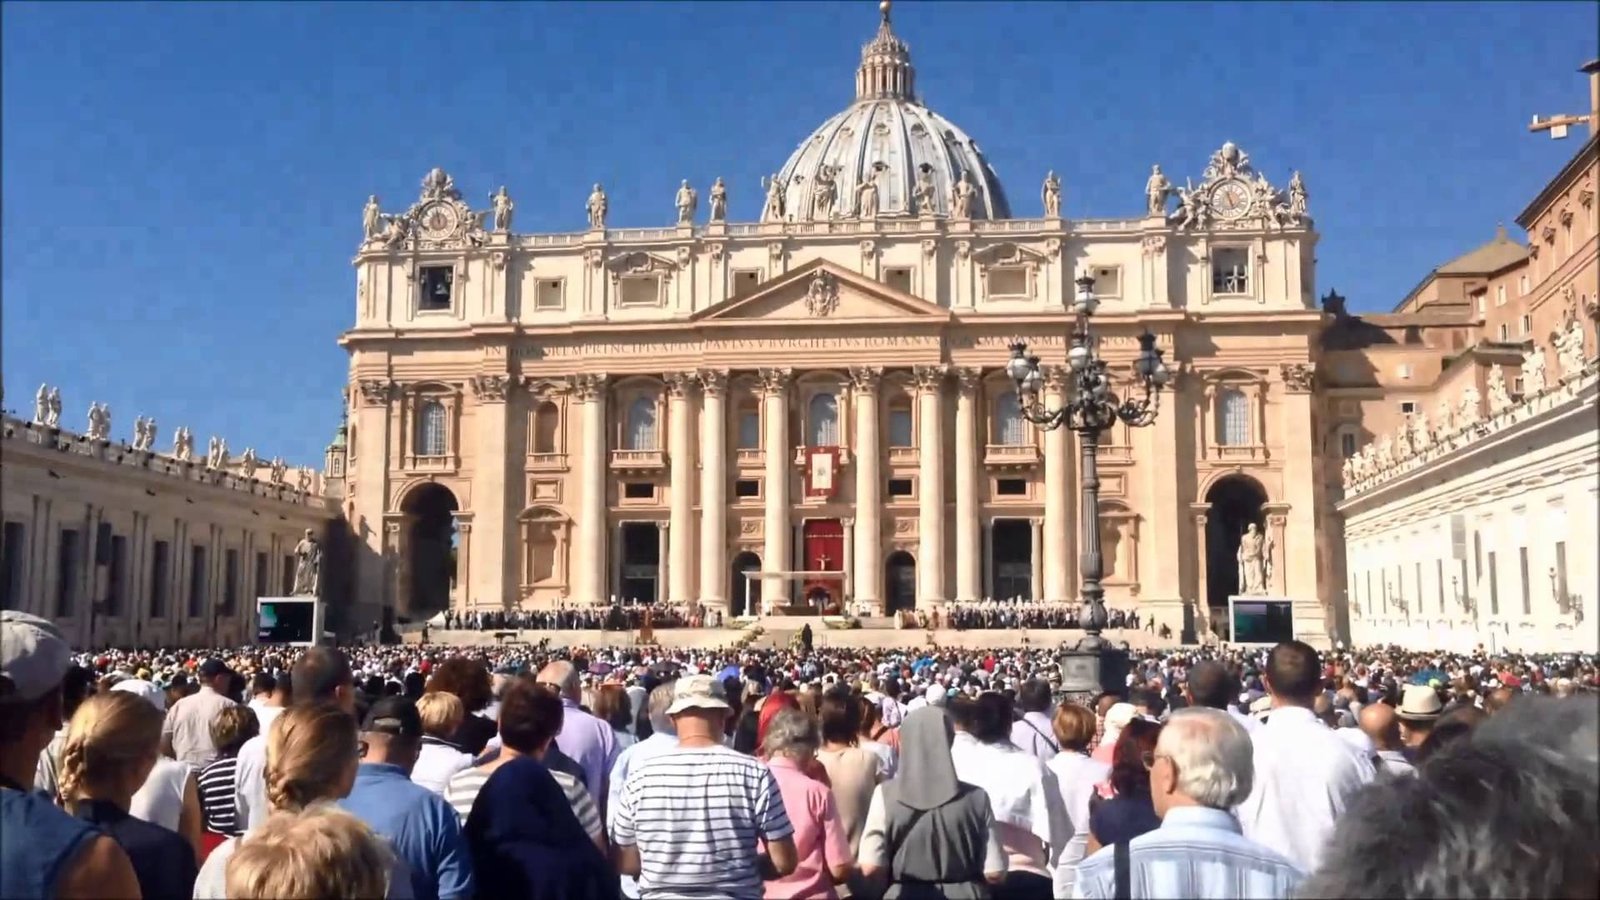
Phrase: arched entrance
x=1235 y=502
x=430 y=550
x=899 y=582
x=743 y=588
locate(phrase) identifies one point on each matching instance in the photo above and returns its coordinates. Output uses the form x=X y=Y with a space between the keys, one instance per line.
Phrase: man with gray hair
x=588 y=740
x=663 y=739
x=1201 y=768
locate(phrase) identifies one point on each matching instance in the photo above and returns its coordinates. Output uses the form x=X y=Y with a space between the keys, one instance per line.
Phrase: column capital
x=848 y=521
x=588 y=386
x=713 y=382
x=967 y=379
x=930 y=378
x=866 y=378
x=679 y=384
x=775 y=380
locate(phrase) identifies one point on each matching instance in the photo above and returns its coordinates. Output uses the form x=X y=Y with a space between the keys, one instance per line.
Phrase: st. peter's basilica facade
x=813 y=406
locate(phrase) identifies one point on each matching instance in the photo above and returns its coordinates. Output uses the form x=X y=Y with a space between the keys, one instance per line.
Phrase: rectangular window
x=1480 y=304
x=1527 y=324
x=67 y=563
x=437 y=284
x=1230 y=270
x=1108 y=281
x=1347 y=445
x=1494 y=587
x=1499 y=295
x=1418 y=594
x=117 y=575
x=900 y=487
x=638 y=490
x=550 y=294
x=1561 y=575
x=1408 y=407
x=1003 y=281
x=1505 y=332
x=748 y=488
x=197 y=581
x=1522 y=285
x=900 y=428
x=259 y=584
x=639 y=290
x=898 y=278
x=1527 y=589
x=230 y=581
x=750 y=430
x=12 y=550
x=1011 y=487
x=160 y=578
x=1438 y=575
x=745 y=281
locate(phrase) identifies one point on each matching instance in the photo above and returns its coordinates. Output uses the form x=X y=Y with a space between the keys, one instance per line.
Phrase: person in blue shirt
x=420 y=825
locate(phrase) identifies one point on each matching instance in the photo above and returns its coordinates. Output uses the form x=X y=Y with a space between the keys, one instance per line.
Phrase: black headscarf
x=526 y=840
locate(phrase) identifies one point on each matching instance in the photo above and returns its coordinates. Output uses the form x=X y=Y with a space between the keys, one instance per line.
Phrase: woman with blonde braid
x=312 y=753
x=112 y=744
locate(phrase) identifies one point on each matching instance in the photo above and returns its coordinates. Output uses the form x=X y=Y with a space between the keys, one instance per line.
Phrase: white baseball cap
x=34 y=656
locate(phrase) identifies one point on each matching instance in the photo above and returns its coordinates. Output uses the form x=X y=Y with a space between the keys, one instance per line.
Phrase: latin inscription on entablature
x=1034 y=342
x=728 y=345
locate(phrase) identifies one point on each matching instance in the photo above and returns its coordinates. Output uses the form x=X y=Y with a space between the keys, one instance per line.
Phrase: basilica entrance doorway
x=1011 y=555
x=823 y=543
x=1235 y=502
x=641 y=562
x=746 y=592
x=430 y=551
x=899 y=582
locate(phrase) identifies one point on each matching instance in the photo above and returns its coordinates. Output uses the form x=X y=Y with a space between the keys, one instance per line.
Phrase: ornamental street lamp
x=1090 y=409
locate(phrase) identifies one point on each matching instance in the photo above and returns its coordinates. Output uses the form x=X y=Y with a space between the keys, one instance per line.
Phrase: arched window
x=900 y=423
x=1233 y=418
x=432 y=428
x=546 y=428
x=822 y=421
x=640 y=433
x=1008 y=424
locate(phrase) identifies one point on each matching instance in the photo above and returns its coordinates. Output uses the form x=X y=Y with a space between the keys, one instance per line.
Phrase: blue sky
x=183 y=182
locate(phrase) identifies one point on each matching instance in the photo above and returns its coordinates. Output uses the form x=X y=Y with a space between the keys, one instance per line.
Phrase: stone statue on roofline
x=774 y=209
x=503 y=208
x=597 y=207
x=1533 y=364
x=1156 y=191
x=1050 y=194
x=719 y=200
x=686 y=200
x=371 y=219
x=867 y=197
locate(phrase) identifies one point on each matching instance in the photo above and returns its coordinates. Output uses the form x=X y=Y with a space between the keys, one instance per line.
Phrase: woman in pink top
x=819 y=837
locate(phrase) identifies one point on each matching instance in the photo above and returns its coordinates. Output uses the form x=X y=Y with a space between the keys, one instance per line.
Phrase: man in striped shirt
x=687 y=822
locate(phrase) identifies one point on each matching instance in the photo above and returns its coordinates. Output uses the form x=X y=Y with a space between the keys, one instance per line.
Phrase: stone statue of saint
x=1499 y=394
x=396 y=230
x=1402 y=442
x=961 y=202
x=826 y=194
x=719 y=201
x=924 y=196
x=1156 y=191
x=249 y=462
x=597 y=207
x=773 y=211
x=41 y=405
x=503 y=208
x=99 y=422
x=1533 y=372
x=1191 y=208
x=183 y=444
x=1297 y=197
x=307 y=566
x=53 y=414
x=1471 y=405
x=371 y=219
x=1443 y=421
x=1569 y=348
x=1420 y=438
x=867 y=197
x=686 y=201
x=276 y=470
x=1253 y=566
x=1050 y=193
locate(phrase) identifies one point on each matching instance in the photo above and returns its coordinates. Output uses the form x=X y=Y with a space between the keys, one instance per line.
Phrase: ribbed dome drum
x=889 y=134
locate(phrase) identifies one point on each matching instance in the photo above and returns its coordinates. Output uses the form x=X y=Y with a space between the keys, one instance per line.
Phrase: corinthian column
x=713 y=488
x=969 y=541
x=868 y=568
x=930 y=486
x=680 y=447
x=1057 y=548
x=776 y=538
x=589 y=574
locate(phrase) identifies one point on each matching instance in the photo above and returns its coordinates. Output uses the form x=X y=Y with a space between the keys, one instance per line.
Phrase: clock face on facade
x=1230 y=199
x=438 y=219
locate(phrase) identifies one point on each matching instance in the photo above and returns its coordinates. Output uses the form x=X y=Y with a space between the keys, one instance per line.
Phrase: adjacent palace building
x=811 y=408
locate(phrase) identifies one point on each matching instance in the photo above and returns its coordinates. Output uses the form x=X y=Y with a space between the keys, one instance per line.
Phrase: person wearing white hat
x=45 y=852
x=687 y=822
x=1420 y=708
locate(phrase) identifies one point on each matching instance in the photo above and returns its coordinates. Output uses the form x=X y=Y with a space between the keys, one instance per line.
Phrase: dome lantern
x=885 y=72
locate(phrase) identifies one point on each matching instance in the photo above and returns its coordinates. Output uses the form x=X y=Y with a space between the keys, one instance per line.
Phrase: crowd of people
x=1030 y=614
x=616 y=617
x=569 y=773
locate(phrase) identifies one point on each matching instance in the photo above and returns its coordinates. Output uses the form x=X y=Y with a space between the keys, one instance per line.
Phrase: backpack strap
x=1123 y=868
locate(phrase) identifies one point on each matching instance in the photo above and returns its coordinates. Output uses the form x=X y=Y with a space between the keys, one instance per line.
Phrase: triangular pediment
x=818 y=292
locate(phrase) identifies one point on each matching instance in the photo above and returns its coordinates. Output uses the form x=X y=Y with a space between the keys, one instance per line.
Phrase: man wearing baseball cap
x=186 y=735
x=44 y=852
x=687 y=822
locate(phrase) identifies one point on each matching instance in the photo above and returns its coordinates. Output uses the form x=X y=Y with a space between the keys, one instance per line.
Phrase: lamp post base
x=1092 y=667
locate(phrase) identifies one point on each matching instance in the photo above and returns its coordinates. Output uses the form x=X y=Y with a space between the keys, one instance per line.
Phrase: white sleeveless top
x=160 y=800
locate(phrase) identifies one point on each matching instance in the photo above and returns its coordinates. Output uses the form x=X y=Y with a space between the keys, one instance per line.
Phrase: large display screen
x=1262 y=621
x=286 y=621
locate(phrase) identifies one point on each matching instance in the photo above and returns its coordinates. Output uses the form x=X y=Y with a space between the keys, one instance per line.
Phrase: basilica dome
x=914 y=156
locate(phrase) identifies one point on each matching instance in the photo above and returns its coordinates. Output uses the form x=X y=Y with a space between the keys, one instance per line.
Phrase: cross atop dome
x=885 y=72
